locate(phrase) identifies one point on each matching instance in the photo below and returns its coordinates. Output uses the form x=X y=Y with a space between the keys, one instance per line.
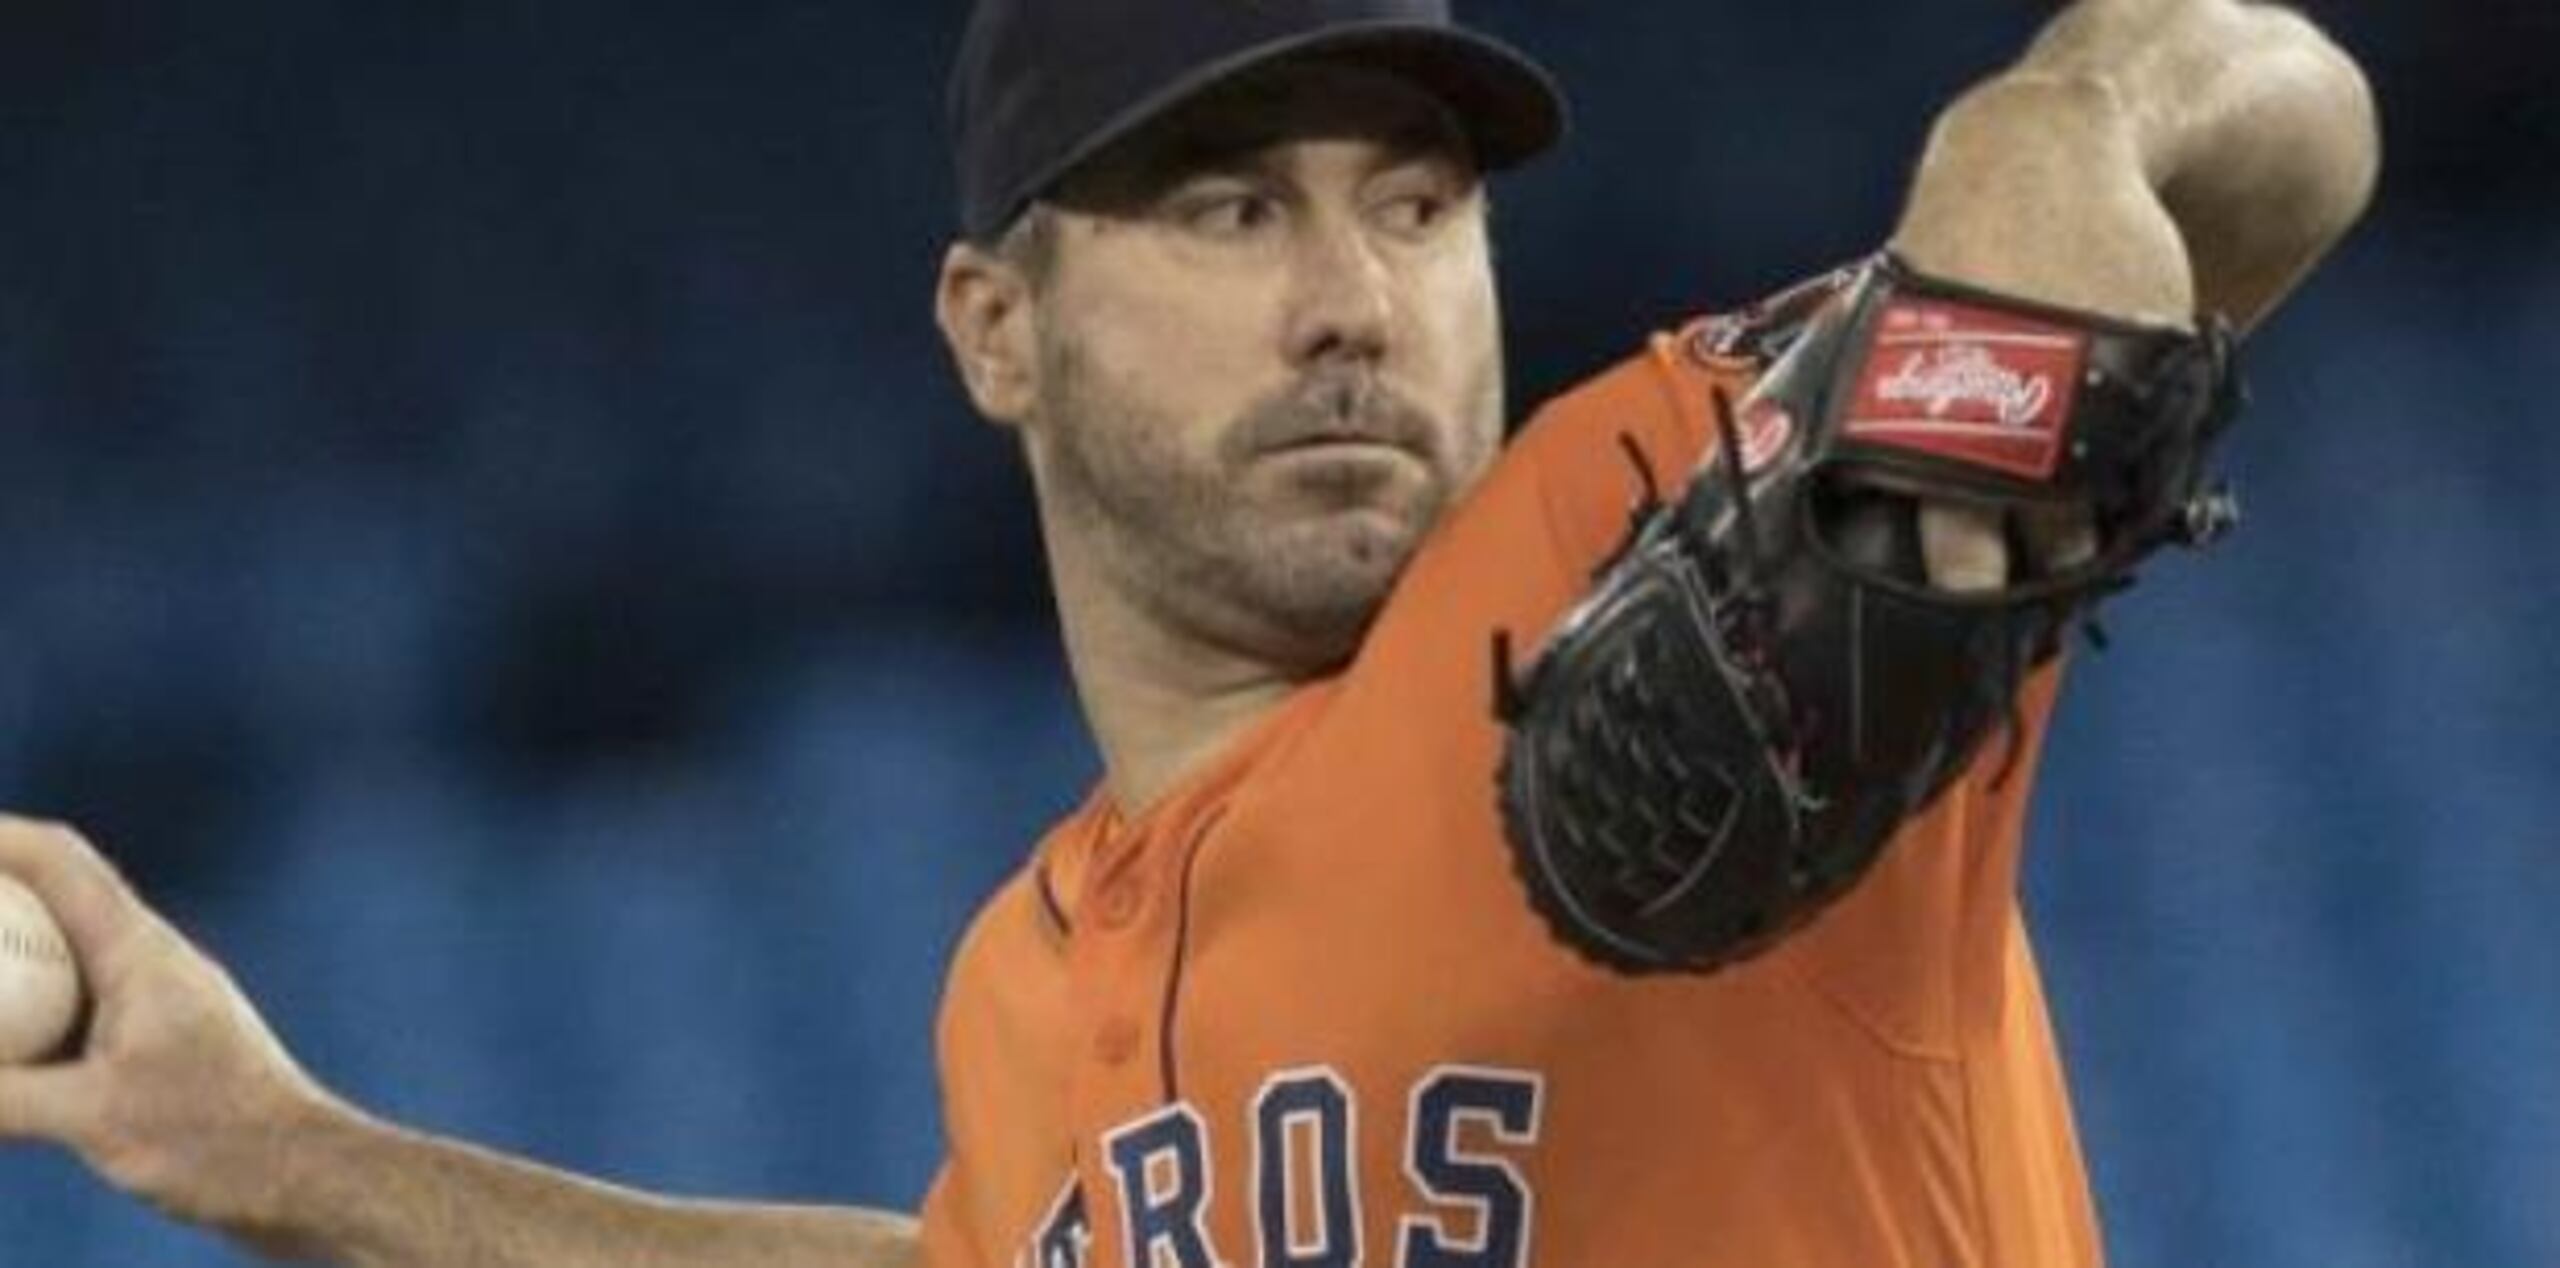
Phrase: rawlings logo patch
x=1970 y=384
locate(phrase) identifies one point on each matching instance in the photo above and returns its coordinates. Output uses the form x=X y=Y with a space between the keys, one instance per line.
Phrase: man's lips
x=1342 y=441
x=1402 y=435
x=1371 y=451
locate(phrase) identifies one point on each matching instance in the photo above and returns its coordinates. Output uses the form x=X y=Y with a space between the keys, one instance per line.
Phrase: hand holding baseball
x=177 y=1092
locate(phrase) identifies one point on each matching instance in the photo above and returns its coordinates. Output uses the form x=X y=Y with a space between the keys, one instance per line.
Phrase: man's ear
x=983 y=303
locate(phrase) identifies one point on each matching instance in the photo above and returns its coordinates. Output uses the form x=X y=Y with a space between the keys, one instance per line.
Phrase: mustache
x=1334 y=408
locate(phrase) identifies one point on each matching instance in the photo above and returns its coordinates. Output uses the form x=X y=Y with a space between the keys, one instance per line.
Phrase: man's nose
x=1343 y=298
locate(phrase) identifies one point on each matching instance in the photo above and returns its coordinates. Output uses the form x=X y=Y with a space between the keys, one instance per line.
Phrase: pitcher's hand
x=178 y=1093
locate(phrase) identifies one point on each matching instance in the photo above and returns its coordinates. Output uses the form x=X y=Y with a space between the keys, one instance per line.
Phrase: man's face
x=1268 y=357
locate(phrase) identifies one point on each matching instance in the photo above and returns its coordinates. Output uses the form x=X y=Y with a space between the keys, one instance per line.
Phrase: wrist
x=325 y=1153
x=2033 y=186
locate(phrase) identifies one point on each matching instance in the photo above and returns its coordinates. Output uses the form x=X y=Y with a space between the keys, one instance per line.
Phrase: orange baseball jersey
x=1299 y=1013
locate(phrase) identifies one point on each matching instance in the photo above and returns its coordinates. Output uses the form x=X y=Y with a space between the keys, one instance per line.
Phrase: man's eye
x=1229 y=215
x=1414 y=213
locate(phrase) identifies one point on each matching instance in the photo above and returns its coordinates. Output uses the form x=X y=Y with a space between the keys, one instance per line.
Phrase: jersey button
x=1116 y=907
x=1116 y=1041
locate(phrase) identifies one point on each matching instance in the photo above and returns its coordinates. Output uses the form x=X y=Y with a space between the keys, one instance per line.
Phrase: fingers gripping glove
x=1763 y=686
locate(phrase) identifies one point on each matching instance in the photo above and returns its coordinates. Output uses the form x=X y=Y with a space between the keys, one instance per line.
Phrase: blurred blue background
x=491 y=542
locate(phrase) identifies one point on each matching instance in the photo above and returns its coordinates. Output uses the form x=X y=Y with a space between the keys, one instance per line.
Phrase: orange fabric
x=1331 y=906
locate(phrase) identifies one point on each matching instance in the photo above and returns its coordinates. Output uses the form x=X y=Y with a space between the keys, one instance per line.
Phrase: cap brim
x=1509 y=106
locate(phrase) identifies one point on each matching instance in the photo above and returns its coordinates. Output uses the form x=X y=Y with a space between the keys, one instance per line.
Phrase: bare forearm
x=365 y=1195
x=2151 y=158
x=181 y=1096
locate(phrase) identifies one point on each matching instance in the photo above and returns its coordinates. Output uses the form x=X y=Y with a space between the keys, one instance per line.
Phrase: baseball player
x=1595 y=850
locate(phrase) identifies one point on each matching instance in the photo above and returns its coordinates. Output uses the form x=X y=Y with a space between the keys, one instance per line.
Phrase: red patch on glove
x=1970 y=384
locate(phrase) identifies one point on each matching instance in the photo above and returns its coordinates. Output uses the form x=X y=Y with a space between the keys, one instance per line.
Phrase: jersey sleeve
x=1597 y=453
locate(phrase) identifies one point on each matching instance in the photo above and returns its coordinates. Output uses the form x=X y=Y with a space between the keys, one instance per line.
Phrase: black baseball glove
x=1765 y=685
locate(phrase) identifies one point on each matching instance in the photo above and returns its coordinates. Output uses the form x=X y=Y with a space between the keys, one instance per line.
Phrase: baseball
x=39 y=985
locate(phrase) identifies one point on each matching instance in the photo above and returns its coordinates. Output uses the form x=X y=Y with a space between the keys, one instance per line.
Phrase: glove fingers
x=1964 y=547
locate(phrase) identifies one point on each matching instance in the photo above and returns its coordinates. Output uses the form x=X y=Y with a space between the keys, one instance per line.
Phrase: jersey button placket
x=1117 y=905
x=1119 y=957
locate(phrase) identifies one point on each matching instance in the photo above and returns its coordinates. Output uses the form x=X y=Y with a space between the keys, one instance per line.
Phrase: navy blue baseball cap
x=1041 y=85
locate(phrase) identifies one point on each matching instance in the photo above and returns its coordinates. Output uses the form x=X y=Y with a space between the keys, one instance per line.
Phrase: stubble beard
x=1292 y=586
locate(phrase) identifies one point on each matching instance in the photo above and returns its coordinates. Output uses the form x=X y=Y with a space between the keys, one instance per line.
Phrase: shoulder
x=1642 y=425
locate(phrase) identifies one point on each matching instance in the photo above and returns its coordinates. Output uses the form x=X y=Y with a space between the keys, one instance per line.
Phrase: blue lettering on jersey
x=1495 y=1199
x=1465 y=1131
x=1162 y=1162
x=1302 y=1130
